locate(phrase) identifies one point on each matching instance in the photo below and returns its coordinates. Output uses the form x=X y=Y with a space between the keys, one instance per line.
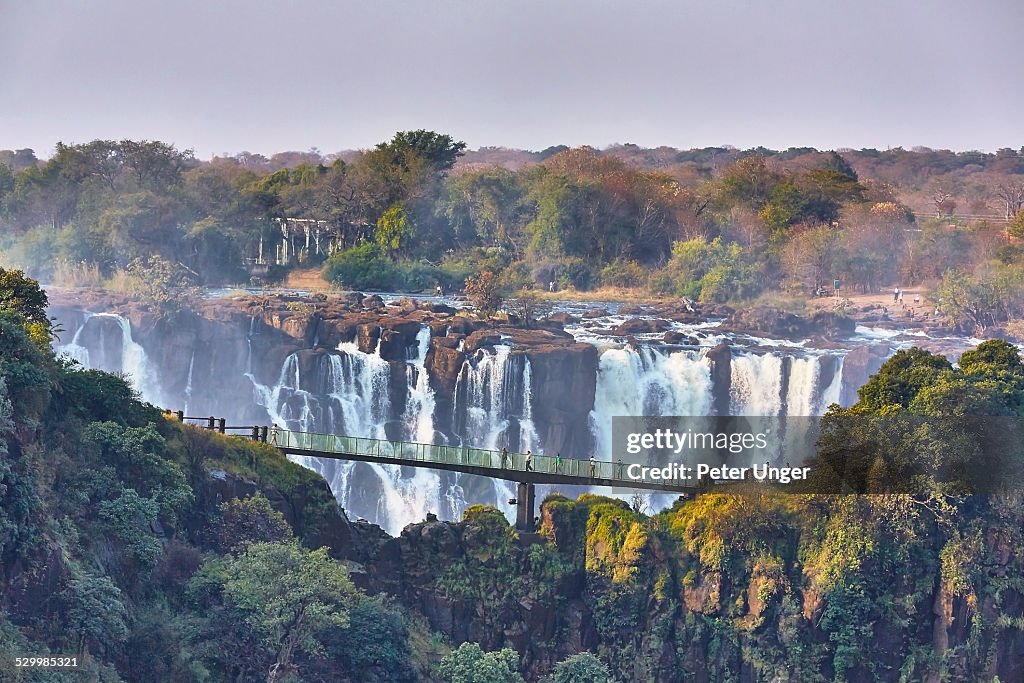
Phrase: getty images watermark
x=897 y=453
x=690 y=451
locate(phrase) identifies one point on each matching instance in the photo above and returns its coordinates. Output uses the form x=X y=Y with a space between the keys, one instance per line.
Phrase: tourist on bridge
x=529 y=461
x=273 y=435
x=558 y=461
x=622 y=469
x=504 y=457
x=593 y=467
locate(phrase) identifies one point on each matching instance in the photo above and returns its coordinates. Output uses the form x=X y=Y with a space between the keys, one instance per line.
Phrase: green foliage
x=375 y=645
x=470 y=664
x=580 y=668
x=394 y=229
x=709 y=271
x=286 y=595
x=95 y=611
x=165 y=288
x=22 y=295
x=249 y=520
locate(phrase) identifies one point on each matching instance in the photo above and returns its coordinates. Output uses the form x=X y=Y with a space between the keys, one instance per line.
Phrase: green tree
x=166 y=287
x=94 y=611
x=394 y=228
x=250 y=520
x=583 y=667
x=22 y=295
x=287 y=595
x=442 y=151
x=470 y=664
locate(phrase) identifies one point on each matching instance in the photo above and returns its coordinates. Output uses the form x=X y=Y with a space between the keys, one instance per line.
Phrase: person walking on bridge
x=529 y=461
x=504 y=457
x=558 y=461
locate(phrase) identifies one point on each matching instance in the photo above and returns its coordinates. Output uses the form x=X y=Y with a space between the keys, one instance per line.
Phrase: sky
x=225 y=76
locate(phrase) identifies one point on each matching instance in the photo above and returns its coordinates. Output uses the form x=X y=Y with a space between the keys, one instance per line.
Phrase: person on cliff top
x=529 y=461
x=504 y=457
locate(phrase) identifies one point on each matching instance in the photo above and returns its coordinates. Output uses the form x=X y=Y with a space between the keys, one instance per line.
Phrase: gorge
x=419 y=370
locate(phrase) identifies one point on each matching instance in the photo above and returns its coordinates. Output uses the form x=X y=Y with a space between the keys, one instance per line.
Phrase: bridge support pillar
x=525 y=503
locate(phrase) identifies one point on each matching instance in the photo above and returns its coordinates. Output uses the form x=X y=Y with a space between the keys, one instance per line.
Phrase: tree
x=440 y=150
x=250 y=520
x=287 y=595
x=484 y=292
x=394 y=228
x=582 y=667
x=22 y=295
x=165 y=287
x=95 y=611
x=470 y=664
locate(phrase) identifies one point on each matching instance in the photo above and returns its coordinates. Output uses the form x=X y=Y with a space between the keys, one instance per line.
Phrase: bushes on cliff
x=470 y=664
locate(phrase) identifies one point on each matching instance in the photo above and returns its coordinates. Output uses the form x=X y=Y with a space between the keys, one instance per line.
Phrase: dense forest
x=418 y=211
x=148 y=549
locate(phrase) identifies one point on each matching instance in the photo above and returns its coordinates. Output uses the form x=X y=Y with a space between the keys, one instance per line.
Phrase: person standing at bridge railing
x=504 y=457
x=273 y=435
x=529 y=461
x=593 y=467
x=558 y=461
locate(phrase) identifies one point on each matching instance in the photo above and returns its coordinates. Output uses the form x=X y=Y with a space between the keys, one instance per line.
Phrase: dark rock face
x=564 y=383
x=721 y=378
x=858 y=366
x=641 y=326
x=772 y=322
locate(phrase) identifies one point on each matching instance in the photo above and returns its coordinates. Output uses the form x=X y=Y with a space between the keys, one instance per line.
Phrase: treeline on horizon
x=715 y=224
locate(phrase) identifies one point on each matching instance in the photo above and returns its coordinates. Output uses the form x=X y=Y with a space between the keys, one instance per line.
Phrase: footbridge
x=524 y=469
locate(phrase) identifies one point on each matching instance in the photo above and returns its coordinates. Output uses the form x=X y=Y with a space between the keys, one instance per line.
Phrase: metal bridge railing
x=401 y=451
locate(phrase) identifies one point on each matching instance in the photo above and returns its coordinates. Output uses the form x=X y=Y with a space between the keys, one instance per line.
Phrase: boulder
x=641 y=326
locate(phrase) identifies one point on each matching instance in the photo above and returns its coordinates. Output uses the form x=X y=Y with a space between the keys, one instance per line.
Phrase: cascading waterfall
x=73 y=349
x=351 y=392
x=132 y=361
x=756 y=384
x=802 y=386
x=350 y=395
x=646 y=381
x=493 y=408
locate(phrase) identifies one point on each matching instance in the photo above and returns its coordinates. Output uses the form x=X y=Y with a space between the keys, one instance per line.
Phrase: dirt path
x=309 y=278
x=909 y=312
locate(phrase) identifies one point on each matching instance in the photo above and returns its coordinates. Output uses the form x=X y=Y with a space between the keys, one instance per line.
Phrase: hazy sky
x=223 y=77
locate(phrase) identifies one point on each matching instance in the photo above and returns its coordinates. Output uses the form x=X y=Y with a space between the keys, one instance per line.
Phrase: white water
x=133 y=362
x=349 y=392
x=647 y=381
x=756 y=387
x=494 y=399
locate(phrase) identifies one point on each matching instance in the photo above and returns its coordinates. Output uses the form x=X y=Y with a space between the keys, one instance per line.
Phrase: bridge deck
x=544 y=469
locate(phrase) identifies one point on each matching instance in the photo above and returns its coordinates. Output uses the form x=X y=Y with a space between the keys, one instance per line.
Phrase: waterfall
x=493 y=408
x=349 y=393
x=132 y=360
x=73 y=349
x=756 y=384
x=802 y=386
x=647 y=381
